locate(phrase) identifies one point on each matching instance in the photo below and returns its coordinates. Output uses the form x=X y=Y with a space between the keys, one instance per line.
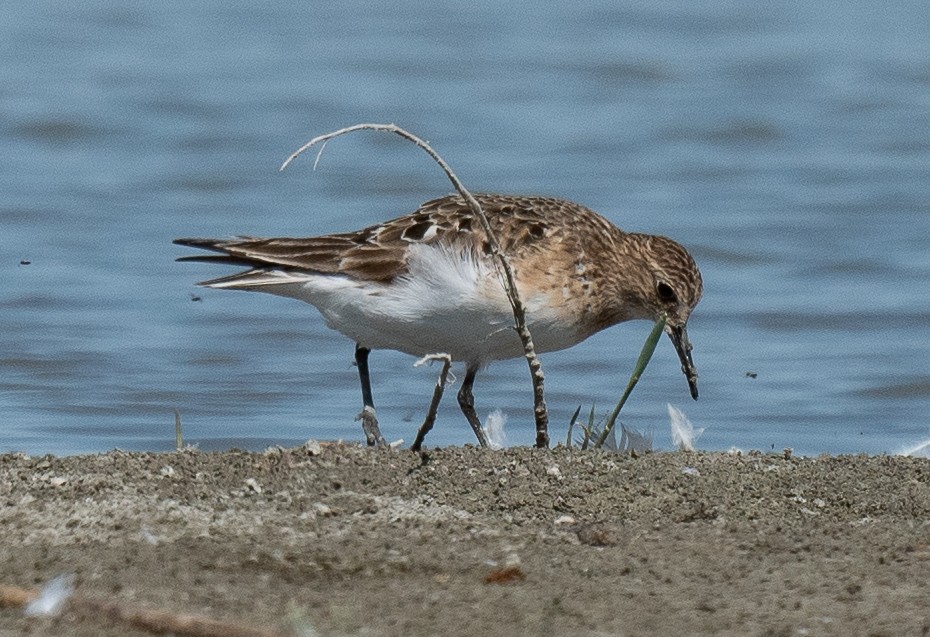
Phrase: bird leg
x=437 y=396
x=467 y=404
x=369 y=421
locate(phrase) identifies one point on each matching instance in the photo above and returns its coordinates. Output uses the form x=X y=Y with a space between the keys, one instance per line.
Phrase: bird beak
x=679 y=336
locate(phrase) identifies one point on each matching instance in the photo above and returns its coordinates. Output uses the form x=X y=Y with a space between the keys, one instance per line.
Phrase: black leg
x=467 y=403
x=369 y=421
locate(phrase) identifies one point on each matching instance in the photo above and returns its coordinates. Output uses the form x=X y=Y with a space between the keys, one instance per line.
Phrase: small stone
x=322 y=510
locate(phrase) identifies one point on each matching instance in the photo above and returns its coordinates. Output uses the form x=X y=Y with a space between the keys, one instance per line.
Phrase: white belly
x=446 y=304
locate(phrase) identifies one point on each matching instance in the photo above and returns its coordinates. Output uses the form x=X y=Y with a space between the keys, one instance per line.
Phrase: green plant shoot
x=649 y=347
x=571 y=426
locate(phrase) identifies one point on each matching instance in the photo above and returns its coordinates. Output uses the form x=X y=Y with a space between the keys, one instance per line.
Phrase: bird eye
x=666 y=293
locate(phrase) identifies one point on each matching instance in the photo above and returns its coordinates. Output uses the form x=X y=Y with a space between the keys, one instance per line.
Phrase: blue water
x=787 y=144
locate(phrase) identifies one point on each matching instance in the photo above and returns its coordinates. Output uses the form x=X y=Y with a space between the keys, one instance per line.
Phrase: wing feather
x=380 y=252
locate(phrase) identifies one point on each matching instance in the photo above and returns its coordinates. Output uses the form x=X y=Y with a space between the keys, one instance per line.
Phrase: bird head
x=661 y=278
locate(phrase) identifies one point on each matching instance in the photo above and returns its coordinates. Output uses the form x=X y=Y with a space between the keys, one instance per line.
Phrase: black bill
x=679 y=337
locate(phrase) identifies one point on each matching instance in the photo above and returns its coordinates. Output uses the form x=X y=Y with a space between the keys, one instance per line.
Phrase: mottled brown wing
x=379 y=253
x=518 y=221
x=331 y=254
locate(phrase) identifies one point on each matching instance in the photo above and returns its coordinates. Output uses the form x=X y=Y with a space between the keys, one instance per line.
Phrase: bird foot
x=370 y=426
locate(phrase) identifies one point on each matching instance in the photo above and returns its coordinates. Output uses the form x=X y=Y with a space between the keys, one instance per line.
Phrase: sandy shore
x=339 y=540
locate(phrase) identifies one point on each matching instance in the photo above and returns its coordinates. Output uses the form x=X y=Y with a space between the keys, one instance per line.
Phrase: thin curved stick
x=510 y=287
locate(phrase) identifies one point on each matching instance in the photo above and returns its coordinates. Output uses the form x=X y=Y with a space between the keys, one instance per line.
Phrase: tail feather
x=217 y=245
x=353 y=255
x=260 y=274
x=214 y=245
x=224 y=259
x=256 y=278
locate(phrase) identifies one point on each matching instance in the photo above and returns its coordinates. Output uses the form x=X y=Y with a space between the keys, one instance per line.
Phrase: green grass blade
x=649 y=347
x=571 y=426
x=589 y=430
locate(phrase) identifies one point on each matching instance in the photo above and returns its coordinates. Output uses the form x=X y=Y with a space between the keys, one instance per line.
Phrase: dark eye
x=666 y=293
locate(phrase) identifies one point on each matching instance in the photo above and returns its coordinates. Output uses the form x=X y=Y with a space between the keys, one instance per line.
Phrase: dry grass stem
x=178 y=431
x=519 y=310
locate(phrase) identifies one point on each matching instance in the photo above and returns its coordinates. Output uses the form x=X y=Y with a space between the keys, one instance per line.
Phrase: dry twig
x=519 y=310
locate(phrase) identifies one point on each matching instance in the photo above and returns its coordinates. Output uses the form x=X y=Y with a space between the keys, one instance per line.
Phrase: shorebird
x=426 y=283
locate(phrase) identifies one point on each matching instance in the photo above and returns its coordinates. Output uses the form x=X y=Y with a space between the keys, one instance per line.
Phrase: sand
x=335 y=539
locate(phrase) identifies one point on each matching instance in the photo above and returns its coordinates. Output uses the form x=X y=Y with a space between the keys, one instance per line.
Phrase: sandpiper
x=426 y=283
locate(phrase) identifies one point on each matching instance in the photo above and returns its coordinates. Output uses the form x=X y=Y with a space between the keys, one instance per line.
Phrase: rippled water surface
x=787 y=144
